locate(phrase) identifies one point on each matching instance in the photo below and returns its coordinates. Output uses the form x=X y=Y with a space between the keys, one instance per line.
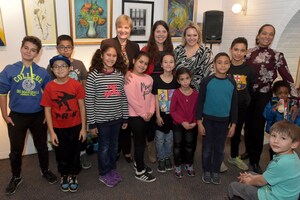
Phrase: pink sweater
x=140 y=99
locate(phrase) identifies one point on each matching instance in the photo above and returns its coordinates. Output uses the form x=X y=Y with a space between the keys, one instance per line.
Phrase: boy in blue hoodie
x=25 y=81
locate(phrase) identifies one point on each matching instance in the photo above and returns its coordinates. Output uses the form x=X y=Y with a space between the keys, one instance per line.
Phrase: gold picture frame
x=40 y=20
x=90 y=20
x=178 y=14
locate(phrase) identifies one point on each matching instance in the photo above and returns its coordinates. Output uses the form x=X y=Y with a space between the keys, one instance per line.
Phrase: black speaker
x=212 y=26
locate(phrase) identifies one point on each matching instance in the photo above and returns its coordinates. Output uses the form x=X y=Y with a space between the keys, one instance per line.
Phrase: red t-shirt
x=63 y=100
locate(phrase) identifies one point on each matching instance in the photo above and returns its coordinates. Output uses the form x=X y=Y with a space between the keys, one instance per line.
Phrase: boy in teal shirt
x=282 y=176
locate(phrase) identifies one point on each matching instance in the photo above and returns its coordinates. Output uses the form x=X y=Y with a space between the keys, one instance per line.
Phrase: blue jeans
x=108 y=145
x=164 y=144
x=213 y=144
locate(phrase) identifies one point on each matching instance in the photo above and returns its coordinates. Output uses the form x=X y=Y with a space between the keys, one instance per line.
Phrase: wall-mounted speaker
x=212 y=26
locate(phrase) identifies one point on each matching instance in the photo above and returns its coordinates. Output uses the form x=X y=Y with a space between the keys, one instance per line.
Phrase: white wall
x=12 y=14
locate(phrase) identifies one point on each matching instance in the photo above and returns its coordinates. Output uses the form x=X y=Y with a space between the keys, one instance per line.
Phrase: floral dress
x=199 y=64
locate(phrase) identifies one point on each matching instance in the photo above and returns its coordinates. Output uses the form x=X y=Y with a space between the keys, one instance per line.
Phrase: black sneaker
x=64 y=183
x=216 y=179
x=73 y=183
x=168 y=164
x=13 y=185
x=49 y=176
x=145 y=176
x=161 y=166
x=148 y=169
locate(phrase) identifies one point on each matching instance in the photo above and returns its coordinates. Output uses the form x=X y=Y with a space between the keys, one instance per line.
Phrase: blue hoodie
x=25 y=85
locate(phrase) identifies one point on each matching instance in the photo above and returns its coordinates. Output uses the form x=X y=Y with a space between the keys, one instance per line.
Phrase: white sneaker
x=238 y=163
x=223 y=167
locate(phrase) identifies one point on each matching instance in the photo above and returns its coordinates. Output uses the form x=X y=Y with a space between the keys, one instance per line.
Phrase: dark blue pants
x=17 y=134
x=108 y=145
x=213 y=144
x=68 y=150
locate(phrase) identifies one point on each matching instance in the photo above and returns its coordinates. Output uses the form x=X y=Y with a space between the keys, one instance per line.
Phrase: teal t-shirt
x=283 y=177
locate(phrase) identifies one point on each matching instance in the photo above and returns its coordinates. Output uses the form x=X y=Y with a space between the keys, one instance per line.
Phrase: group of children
x=108 y=105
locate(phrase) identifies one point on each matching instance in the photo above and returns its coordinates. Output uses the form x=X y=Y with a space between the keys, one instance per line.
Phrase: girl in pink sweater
x=141 y=107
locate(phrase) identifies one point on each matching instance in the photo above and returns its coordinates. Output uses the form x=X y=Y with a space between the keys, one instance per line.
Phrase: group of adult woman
x=195 y=56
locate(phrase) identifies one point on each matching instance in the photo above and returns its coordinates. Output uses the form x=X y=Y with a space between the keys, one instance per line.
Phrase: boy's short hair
x=34 y=40
x=279 y=84
x=64 y=37
x=238 y=41
x=59 y=57
x=286 y=128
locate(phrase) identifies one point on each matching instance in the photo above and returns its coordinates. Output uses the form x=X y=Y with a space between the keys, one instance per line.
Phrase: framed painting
x=2 y=34
x=297 y=82
x=40 y=20
x=177 y=14
x=90 y=20
x=141 y=13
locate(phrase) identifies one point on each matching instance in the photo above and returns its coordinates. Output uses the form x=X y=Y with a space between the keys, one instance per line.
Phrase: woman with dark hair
x=159 y=43
x=267 y=64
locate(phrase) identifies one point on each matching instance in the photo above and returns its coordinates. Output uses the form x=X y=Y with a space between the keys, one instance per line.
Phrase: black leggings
x=139 y=129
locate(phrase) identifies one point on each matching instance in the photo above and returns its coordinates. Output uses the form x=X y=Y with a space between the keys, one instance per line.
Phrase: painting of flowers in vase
x=90 y=20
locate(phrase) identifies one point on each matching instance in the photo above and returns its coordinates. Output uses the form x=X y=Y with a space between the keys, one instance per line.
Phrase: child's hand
x=192 y=125
x=82 y=135
x=231 y=130
x=124 y=125
x=159 y=121
x=201 y=129
x=54 y=139
x=186 y=125
x=128 y=76
x=94 y=131
x=8 y=120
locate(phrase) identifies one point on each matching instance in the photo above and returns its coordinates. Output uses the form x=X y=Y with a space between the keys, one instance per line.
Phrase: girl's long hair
x=97 y=62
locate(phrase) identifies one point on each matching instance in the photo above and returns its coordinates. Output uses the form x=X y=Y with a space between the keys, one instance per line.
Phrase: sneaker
x=161 y=166
x=148 y=169
x=238 y=163
x=190 y=170
x=206 y=177
x=73 y=183
x=108 y=180
x=13 y=185
x=168 y=164
x=85 y=162
x=49 y=176
x=115 y=175
x=223 y=167
x=145 y=176
x=178 y=172
x=64 y=183
x=216 y=179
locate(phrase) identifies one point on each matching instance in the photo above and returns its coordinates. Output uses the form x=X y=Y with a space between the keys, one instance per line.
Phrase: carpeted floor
x=167 y=186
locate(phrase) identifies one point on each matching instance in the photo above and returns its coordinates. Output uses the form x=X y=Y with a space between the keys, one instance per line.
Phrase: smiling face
x=160 y=34
x=109 y=58
x=65 y=48
x=282 y=143
x=266 y=36
x=60 y=69
x=168 y=63
x=140 y=65
x=29 y=51
x=222 y=65
x=191 y=37
x=123 y=29
x=238 y=53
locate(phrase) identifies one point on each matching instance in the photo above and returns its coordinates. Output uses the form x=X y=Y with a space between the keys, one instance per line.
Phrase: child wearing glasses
x=63 y=100
x=65 y=47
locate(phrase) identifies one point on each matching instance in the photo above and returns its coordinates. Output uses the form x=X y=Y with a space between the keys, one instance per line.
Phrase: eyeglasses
x=65 y=48
x=61 y=67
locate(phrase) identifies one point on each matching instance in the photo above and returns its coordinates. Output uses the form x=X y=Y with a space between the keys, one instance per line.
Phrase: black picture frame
x=141 y=13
